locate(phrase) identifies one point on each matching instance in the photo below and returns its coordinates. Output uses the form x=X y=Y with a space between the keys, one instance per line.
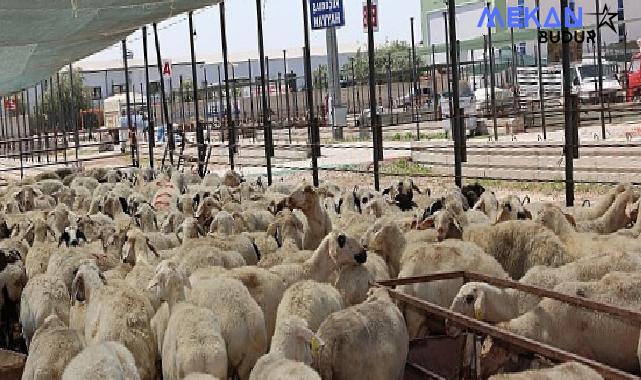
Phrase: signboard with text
x=327 y=14
x=10 y=104
x=374 y=16
x=166 y=69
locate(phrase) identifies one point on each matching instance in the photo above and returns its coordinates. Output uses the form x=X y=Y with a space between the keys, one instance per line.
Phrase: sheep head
x=343 y=249
x=168 y=282
x=137 y=247
x=383 y=235
x=87 y=278
x=295 y=341
x=304 y=198
x=72 y=236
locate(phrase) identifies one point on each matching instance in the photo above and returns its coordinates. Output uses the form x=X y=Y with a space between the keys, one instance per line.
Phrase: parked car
x=408 y=99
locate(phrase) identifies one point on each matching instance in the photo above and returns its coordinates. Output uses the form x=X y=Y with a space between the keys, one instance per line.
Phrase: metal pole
x=540 y=66
x=448 y=61
x=492 y=80
x=150 y=123
x=230 y=122
x=287 y=104
x=514 y=72
x=473 y=69
x=266 y=122
x=165 y=109
x=132 y=131
x=567 y=95
x=414 y=75
x=354 y=88
x=251 y=98
x=372 y=95
x=19 y=135
x=434 y=89
x=600 y=67
x=200 y=135
x=455 y=110
x=310 y=98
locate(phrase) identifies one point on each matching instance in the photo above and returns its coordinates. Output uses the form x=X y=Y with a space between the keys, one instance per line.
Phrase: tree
x=61 y=106
x=396 y=54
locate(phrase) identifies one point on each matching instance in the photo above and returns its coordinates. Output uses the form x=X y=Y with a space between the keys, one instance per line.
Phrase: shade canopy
x=38 y=37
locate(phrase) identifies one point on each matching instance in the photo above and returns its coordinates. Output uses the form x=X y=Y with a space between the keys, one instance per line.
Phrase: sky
x=283 y=29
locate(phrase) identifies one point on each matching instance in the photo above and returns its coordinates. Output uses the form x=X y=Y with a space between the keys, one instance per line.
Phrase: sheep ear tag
x=315 y=345
x=478 y=313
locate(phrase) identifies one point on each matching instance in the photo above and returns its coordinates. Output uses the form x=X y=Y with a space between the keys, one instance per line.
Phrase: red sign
x=374 y=16
x=10 y=104
x=166 y=69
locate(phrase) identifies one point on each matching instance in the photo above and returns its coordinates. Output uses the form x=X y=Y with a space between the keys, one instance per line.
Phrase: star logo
x=606 y=18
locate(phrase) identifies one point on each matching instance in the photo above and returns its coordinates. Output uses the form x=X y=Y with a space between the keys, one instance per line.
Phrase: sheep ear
x=478 y=307
x=152 y=248
x=570 y=219
x=480 y=205
x=503 y=216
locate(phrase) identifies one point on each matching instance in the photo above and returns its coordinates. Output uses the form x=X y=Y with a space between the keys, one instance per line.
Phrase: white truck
x=115 y=112
x=584 y=77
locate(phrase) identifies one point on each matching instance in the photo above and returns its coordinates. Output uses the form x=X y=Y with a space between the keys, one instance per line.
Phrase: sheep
x=54 y=346
x=290 y=354
x=117 y=313
x=189 y=229
x=50 y=186
x=318 y=222
x=104 y=360
x=145 y=218
x=88 y=183
x=199 y=257
x=601 y=206
x=375 y=329
x=488 y=204
x=335 y=251
x=603 y=338
x=171 y=223
x=59 y=218
x=450 y=221
x=519 y=245
x=12 y=281
x=253 y=220
x=241 y=321
x=582 y=243
x=310 y=300
x=613 y=219
x=447 y=256
x=566 y=371
x=223 y=224
x=287 y=226
x=386 y=239
x=192 y=341
x=42 y=296
x=403 y=194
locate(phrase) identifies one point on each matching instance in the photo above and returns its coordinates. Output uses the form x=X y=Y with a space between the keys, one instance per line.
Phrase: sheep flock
x=149 y=274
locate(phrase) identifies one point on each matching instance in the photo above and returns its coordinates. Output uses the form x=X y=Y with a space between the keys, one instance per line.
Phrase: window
x=521 y=48
x=96 y=93
x=117 y=89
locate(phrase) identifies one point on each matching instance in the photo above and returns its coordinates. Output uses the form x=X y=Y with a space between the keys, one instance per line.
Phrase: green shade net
x=38 y=37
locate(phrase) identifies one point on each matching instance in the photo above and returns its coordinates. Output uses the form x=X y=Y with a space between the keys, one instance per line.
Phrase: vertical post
x=354 y=87
x=170 y=128
x=200 y=135
x=514 y=72
x=434 y=89
x=131 y=128
x=25 y=121
x=289 y=122
x=251 y=98
x=266 y=122
x=230 y=121
x=310 y=97
x=455 y=110
x=492 y=80
x=567 y=95
x=151 y=142
x=540 y=71
x=372 y=95
x=19 y=135
x=485 y=71
x=2 y=126
x=448 y=61
x=473 y=70
x=417 y=92
x=600 y=68
x=625 y=59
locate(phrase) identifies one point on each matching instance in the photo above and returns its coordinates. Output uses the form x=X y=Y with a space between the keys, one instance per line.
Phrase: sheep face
x=205 y=211
x=512 y=209
x=376 y=236
x=469 y=301
x=26 y=198
x=86 y=278
x=5 y=231
x=293 y=336
x=554 y=219
x=167 y=279
x=345 y=250
x=189 y=229
x=362 y=198
x=232 y=179
x=304 y=198
x=445 y=224
x=72 y=237
x=136 y=246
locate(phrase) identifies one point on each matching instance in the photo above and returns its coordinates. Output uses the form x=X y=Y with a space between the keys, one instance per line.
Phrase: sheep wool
x=54 y=345
x=311 y=301
x=106 y=360
x=43 y=296
x=566 y=371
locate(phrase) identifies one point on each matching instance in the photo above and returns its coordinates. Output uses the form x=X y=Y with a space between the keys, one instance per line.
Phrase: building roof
x=38 y=37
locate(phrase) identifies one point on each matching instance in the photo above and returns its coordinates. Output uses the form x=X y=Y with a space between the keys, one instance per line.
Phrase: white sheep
x=203 y=256
x=601 y=337
x=223 y=224
x=375 y=330
x=117 y=313
x=335 y=251
x=241 y=321
x=43 y=296
x=192 y=341
x=290 y=354
x=565 y=371
x=519 y=245
x=601 y=206
x=448 y=256
x=310 y=300
x=145 y=218
x=104 y=360
x=319 y=224
x=54 y=345
x=614 y=218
